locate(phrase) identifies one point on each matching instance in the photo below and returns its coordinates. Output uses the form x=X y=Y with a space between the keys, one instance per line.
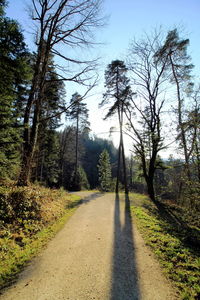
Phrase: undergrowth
x=29 y=217
x=180 y=261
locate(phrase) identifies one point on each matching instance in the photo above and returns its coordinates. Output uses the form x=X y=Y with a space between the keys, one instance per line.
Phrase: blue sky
x=129 y=19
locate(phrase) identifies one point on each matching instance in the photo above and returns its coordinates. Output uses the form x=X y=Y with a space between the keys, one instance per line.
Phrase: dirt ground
x=99 y=254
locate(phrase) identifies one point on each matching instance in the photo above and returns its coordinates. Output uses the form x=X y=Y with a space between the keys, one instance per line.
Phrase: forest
x=153 y=94
x=33 y=98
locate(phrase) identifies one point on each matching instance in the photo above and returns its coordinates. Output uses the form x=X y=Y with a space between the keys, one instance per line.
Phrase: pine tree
x=118 y=92
x=104 y=168
x=174 y=50
x=78 y=113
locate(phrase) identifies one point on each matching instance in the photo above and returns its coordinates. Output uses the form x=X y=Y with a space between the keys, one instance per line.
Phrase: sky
x=127 y=19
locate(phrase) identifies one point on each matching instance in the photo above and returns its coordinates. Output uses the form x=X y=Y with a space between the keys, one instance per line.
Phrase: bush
x=18 y=203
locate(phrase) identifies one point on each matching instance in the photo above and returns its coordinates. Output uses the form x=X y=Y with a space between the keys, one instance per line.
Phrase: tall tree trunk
x=42 y=165
x=198 y=162
x=25 y=167
x=29 y=148
x=124 y=167
x=77 y=133
x=120 y=142
x=118 y=168
x=180 y=122
x=131 y=173
x=123 y=154
x=35 y=98
x=150 y=188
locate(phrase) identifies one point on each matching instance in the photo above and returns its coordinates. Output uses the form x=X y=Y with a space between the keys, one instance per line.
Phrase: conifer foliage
x=14 y=71
x=118 y=94
x=104 y=168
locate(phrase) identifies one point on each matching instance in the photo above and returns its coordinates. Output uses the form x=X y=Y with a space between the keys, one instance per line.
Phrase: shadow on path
x=84 y=200
x=124 y=271
x=91 y=197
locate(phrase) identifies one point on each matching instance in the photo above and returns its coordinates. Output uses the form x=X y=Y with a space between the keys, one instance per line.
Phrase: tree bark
x=180 y=122
x=53 y=19
x=124 y=168
x=77 y=132
x=118 y=168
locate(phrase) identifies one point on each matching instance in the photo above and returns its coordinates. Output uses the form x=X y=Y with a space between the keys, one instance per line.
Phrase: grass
x=180 y=260
x=23 y=236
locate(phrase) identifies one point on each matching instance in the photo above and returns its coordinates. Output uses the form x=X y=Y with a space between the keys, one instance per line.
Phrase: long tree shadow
x=124 y=271
x=84 y=200
x=188 y=235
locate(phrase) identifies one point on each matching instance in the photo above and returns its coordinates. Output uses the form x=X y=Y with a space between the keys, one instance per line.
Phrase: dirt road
x=99 y=254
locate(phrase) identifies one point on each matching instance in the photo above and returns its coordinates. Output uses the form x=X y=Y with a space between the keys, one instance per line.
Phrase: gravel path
x=99 y=254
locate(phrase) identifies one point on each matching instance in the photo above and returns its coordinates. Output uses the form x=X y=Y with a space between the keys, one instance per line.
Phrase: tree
x=79 y=113
x=193 y=124
x=3 y=4
x=46 y=155
x=59 y=23
x=104 y=169
x=79 y=180
x=119 y=92
x=14 y=73
x=148 y=77
x=93 y=147
x=49 y=165
x=174 y=50
x=66 y=156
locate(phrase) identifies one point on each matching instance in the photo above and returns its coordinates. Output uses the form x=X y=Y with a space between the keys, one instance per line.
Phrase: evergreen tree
x=104 y=168
x=119 y=92
x=78 y=113
x=93 y=148
x=79 y=180
x=66 y=156
x=47 y=162
x=62 y=22
x=174 y=51
x=14 y=71
x=3 y=4
x=46 y=158
x=53 y=104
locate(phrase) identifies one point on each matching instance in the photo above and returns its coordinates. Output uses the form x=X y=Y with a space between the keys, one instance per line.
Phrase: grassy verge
x=25 y=231
x=180 y=259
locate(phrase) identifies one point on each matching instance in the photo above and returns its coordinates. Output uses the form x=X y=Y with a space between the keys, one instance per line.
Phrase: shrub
x=18 y=203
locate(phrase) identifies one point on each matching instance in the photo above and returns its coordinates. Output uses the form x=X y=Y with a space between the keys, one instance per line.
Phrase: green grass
x=22 y=239
x=180 y=262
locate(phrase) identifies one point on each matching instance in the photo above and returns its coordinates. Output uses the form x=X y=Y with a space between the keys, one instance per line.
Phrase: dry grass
x=29 y=216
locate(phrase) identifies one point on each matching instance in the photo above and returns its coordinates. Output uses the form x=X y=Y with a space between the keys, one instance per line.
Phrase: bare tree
x=62 y=26
x=148 y=78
